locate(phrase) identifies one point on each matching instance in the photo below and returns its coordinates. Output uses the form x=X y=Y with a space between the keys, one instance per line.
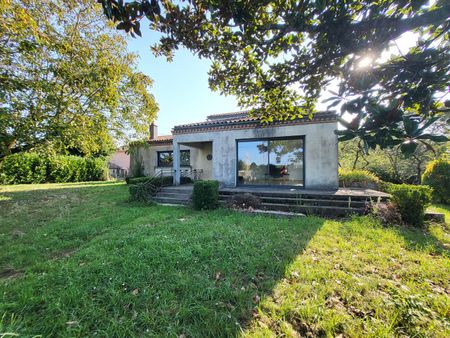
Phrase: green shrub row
x=412 y=201
x=205 y=195
x=24 y=168
x=437 y=176
x=358 y=179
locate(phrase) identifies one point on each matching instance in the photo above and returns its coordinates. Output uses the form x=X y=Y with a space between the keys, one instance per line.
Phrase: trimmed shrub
x=244 y=201
x=205 y=195
x=437 y=176
x=412 y=201
x=34 y=168
x=358 y=179
x=142 y=192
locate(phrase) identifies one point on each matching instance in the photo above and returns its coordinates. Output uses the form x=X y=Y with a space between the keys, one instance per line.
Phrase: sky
x=180 y=87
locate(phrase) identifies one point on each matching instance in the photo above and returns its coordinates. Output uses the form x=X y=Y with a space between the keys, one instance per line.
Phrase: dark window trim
x=158 y=164
x=287 y=186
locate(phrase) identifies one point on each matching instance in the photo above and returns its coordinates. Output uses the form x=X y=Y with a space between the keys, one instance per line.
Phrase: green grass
x=79 y=260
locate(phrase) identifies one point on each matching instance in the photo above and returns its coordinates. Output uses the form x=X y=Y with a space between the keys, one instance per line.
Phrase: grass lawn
x=79 y=260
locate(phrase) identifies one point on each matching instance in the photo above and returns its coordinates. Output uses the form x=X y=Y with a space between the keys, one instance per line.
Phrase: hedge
x=27 y=168
x=437 y=176
x=412 y=201
x=205 y=195
x=358 y=179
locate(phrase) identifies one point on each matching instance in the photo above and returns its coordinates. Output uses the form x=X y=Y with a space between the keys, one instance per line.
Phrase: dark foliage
x=205 y=195
x=244 y=201
x=387 y=213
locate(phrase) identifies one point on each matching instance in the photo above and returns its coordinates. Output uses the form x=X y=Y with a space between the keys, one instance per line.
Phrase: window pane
x=185 y=158
x=252 y=162
x=286 y=162
x=165 y=159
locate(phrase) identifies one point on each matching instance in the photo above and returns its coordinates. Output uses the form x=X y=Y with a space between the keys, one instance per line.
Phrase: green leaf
x=434 y=138
x=408 y=148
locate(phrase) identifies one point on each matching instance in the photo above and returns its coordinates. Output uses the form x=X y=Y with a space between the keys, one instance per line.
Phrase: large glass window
x=165 y=158
x=271 y=161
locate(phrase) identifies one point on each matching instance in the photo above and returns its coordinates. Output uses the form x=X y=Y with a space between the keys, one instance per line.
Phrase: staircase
x=174 y=195
x=339 y=203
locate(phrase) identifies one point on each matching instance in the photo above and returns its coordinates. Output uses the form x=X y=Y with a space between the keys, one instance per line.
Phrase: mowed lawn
x=79 y=260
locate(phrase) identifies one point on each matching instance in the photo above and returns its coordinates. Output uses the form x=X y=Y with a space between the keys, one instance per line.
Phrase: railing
x=193 y=174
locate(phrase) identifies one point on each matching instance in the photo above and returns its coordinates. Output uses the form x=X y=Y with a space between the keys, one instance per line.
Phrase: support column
x=176 y=163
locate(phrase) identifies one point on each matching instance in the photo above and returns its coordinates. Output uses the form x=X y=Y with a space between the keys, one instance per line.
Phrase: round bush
x=206 y=195
x=437 y=176
x=412 y=201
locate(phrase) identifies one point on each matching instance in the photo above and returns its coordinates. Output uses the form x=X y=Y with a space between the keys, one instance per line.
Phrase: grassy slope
x=77 y=259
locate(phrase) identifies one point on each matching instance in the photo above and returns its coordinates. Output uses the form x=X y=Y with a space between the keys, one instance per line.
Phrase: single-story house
x=237 y=149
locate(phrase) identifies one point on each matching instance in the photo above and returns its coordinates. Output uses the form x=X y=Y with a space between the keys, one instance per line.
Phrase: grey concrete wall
x=199 y=152
x=321 y=154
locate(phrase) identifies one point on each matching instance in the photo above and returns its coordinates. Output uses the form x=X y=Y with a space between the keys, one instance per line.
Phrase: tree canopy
x=279 y=56
x=67 y=84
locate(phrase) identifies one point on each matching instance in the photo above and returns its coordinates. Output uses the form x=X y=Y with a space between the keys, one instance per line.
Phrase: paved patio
x=353 y=192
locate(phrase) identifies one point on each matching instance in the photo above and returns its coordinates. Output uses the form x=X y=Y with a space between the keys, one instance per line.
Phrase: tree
x=390 y=164
x=278 y=56
x=67 y=84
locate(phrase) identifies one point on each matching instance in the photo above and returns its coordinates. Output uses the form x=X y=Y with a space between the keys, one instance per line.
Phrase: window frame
x=268 y=139
x=170 y=152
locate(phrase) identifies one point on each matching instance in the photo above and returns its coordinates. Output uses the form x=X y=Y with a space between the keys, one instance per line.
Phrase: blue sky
x=180 y=87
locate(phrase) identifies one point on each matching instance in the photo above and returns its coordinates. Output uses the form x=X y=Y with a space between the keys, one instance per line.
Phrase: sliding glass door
x=271 y=161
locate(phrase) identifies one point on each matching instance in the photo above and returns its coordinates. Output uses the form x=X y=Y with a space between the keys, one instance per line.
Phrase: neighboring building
x=119 y=165
x=236 y=149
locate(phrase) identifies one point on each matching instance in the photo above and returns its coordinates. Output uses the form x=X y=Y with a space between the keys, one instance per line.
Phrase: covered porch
x=201 y=164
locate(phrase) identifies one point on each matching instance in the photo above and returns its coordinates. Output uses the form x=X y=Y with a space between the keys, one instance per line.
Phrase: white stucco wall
x=321 y=152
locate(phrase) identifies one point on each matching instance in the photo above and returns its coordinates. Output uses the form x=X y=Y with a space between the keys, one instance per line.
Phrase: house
x=119 y=164
x=237 y=149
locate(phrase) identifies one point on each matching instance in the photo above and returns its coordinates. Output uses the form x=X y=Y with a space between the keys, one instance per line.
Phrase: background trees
x=279 y=56
x=67 y=84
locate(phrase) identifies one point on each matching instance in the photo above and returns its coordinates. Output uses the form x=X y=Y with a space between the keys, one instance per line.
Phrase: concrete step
x=173 y=195
x=316 y=209
x=307 y=201
x=167 y=200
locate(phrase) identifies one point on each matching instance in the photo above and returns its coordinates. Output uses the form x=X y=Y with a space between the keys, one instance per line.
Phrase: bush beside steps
x=205 y=195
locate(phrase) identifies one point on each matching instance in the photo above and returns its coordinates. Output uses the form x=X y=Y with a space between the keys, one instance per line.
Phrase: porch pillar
x=176 y=163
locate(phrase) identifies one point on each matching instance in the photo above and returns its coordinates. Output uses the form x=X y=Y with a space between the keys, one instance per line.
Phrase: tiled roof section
x=226 y=116
x=243 y=121
x=162 y=139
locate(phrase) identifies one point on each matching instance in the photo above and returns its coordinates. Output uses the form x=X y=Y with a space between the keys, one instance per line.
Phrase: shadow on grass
x=423 y=239
x=141 y=271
